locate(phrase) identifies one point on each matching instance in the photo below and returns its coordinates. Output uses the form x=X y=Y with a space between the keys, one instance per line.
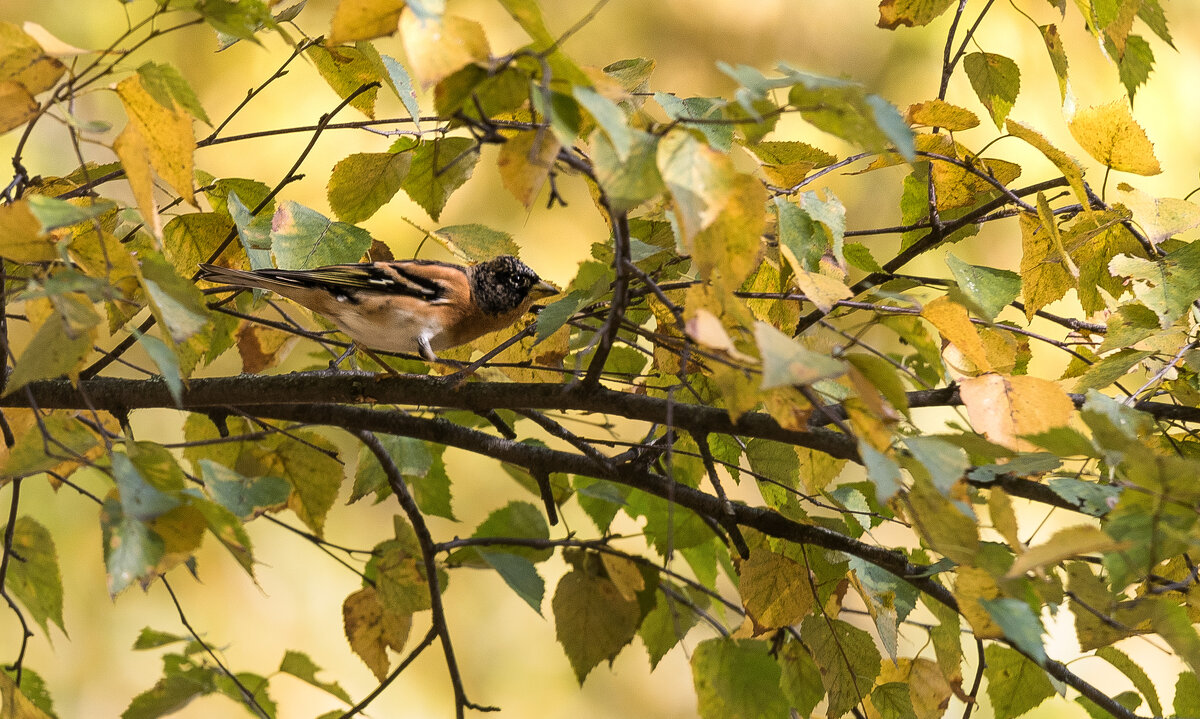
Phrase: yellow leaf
x=21 y=238
x=132 y=150
x=1067 y=165
x=973 y=584
x=166 y=138
x=1044 y=276
x=24 y=61
x=624 y=575
x=775 y=590
x=370 y=629
x=1005 y=407
x=262 y=347
x=953 y=323
x=939 y=113
x=437 y=48
x=364 y=19
x=1004 y=519
x=17 y=106
x=525 y=162
x=14 y=704
x=821 y=290
x=1110 y=135
x=1066 y=543
x=738 y=388
x=1159 y=217
x=704 y=327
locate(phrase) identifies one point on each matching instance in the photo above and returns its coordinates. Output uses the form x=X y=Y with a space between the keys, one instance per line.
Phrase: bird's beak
x=543 y=289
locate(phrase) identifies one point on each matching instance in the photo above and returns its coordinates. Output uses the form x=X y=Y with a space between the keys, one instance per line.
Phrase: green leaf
x=244 y=497
x=844 y=109
x=33 y=578
x=401 y=83
x=167 y=86
x=1166 y=286
x=54 y=214
x=477 y=243
x=996 y=79
x=1091 y=498
x=988 y=288
x=1135 y=64
x=519 y=574
x=609 y=117
x=1110 y=369
x=170 y=694
x=131 y=549
x=883 y=472
x=167 y=361
x=190 y=239
x=847 y=658
x=736 y=678
x=893 y=701
x=309 y=462
x=439 y=167
x=665 y=626
x=1135 y=673
x=718 y=134
x=302 y=238
x=152 y=639
x=62 y=437
x=1019 y=624
x=1015 y=684
x=801 y=678
x=145 y=483
x=520 y=520
x=946 y=463
x=1187 y=695
x=175 y=301
x=631 y=180
x=1058 y=55
x=365 y=181
x=299 y=665
x=54 y=351
x=17 y=699
x=592 y=621
x=785 y=362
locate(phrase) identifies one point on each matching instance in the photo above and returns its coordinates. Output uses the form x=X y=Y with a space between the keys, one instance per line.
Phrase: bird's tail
x=241 y=278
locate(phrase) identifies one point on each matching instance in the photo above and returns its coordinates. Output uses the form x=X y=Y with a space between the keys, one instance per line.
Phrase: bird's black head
x=504 y=283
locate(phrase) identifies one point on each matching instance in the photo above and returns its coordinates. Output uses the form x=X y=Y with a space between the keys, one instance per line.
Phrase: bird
x=408 y=306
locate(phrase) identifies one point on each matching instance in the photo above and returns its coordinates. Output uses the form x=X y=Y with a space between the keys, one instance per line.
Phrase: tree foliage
x=765 y=480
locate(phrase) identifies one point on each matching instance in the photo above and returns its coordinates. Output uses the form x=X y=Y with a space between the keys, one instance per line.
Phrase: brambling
x=419 y=306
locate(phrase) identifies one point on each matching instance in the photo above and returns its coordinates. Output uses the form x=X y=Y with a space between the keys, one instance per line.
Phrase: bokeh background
x=507 y=653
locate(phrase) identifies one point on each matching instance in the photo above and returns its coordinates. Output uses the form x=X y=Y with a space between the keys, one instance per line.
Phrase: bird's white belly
x=401 y=334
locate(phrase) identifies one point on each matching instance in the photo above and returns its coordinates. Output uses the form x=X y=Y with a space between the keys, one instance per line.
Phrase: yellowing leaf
x=364 y=19
x=24 y=61
x=16 y=105
x=437 y=47
x=134 y=153
x=53 y=351
x=786 y=164
x=1110 y=135
x=1159 y=217
x=1066 y=543
x=973 y=584
x=347 y=68
x=364 y=182
x=1005 y=407
x=624 y=574
x=910 y=13
x=166 y=135
x=705 y=328
x=939 y=113
x=953 y=323
x=14 y=704
x=775 y=590
x=371 y=630
x=21 y=238
x=1043 y=273
x=592 y=620
x=1067 y=165
x=786 y=362
x=524 y=163
x=996 y=79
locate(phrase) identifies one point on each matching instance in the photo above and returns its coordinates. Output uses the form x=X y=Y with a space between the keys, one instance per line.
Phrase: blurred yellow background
x=508 y=654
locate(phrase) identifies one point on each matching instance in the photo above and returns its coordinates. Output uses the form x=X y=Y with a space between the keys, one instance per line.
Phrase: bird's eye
x=514 y=281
